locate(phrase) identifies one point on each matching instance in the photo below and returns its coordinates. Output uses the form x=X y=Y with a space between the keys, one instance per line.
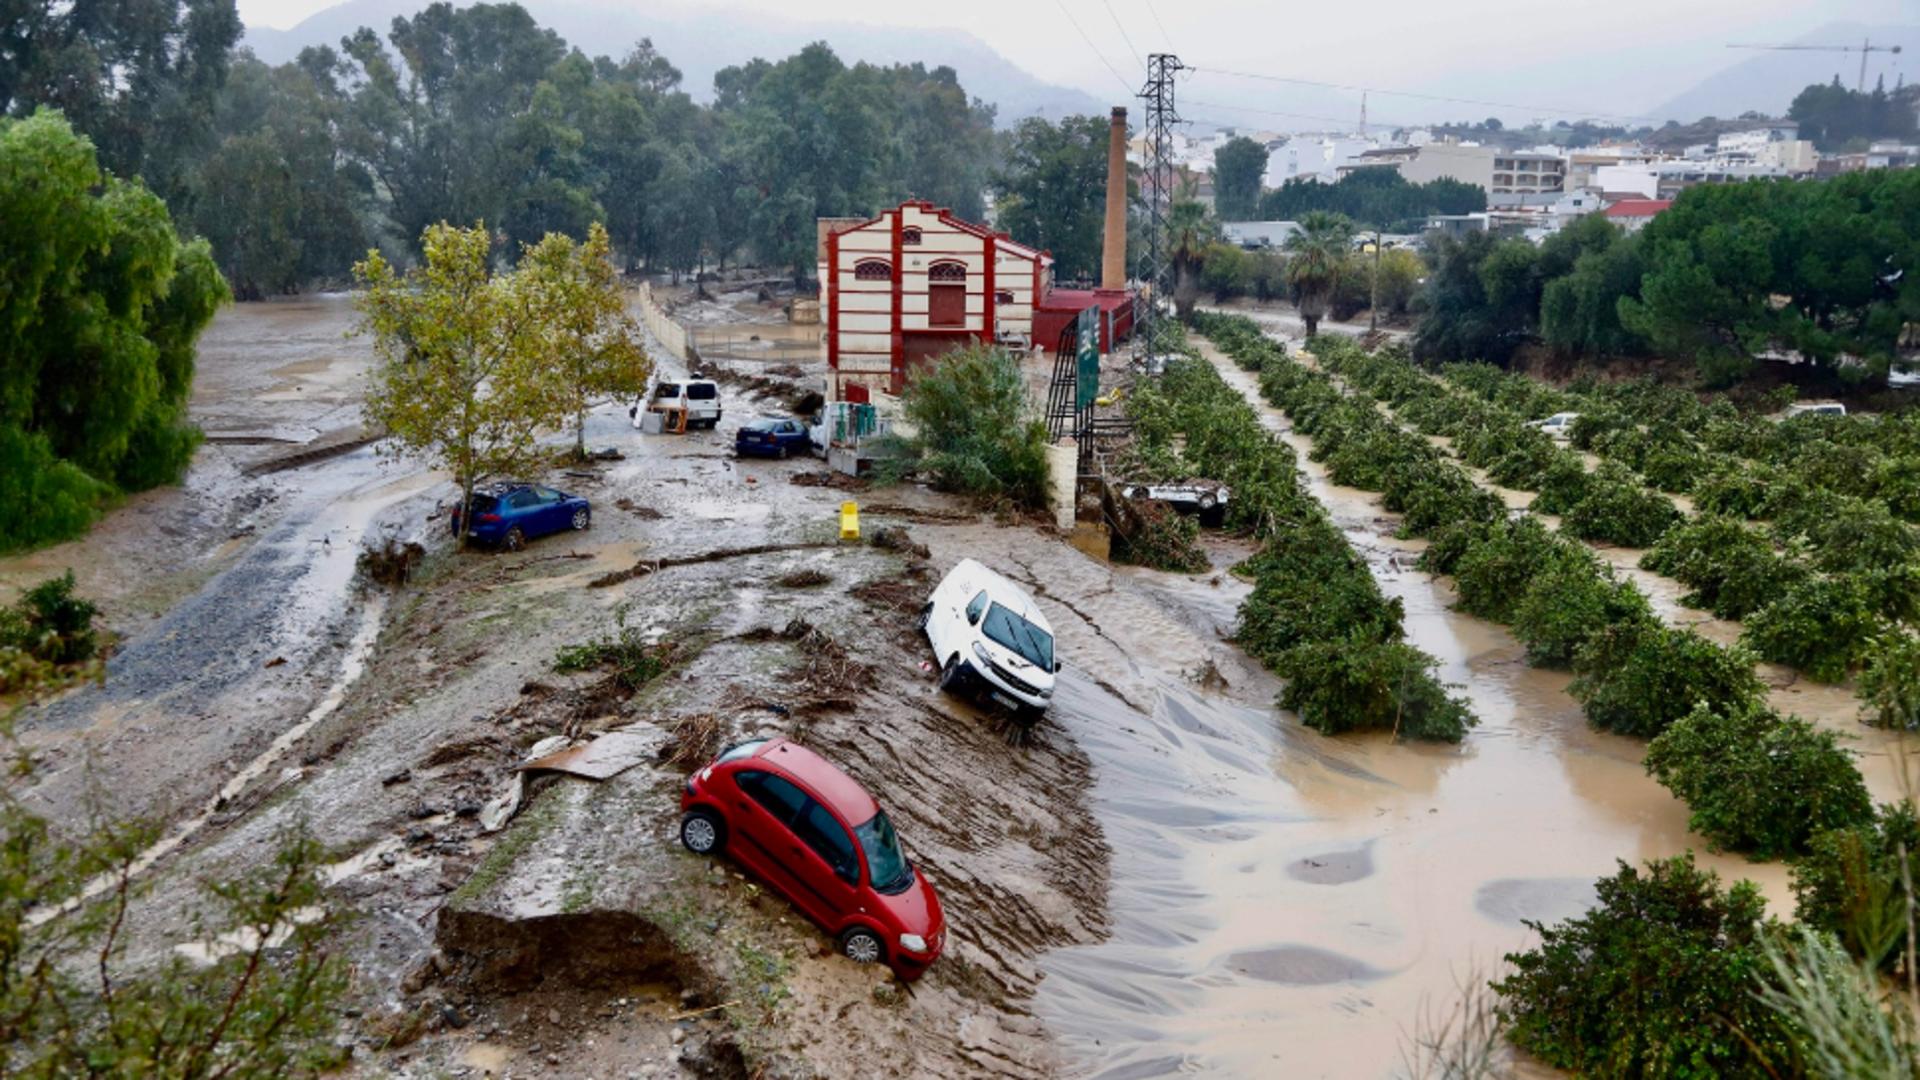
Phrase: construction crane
x=1863 y=49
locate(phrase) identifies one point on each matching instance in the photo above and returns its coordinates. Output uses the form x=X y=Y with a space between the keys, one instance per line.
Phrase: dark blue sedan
x=512 y=514
x=771 y=437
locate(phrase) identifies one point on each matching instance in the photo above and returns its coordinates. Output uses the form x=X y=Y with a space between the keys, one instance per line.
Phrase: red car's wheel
x=862 y=946
x=702 y=833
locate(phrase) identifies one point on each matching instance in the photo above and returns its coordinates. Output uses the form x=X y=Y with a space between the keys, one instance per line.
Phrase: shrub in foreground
x=1618 y=509
x=1360 y=684
x=1850 y=883
x=47 y=638
x=1756 y=783
x=1657 y=980
x=1832 y=1003
x=1636 y=679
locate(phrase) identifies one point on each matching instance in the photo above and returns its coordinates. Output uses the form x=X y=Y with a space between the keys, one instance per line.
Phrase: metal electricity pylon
x=1157 y=186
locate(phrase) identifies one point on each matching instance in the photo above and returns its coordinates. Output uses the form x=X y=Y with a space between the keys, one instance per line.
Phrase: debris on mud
x=650 y=566
x=808 y=578
x=644 y=513
x=827 y=478
x=896 y=538
x=634 y=661
x=692 y=741
x=391 y=562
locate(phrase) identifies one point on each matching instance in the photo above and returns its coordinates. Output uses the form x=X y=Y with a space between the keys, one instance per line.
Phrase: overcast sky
x=1619 y=57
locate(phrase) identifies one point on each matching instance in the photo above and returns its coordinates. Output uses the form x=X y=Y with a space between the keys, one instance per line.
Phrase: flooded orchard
x=1172 y=876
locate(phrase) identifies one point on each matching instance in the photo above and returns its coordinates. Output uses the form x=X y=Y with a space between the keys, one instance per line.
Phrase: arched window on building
x=872 y=270
x=910 y=235
x=947 y=294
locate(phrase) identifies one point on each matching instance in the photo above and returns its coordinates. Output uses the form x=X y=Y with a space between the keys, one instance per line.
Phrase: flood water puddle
x=1285 y=904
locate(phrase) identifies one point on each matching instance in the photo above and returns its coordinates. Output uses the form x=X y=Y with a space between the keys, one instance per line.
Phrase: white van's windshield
x=1004 y=627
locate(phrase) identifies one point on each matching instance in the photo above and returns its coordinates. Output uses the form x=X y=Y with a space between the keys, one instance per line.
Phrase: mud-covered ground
x=1168 y=876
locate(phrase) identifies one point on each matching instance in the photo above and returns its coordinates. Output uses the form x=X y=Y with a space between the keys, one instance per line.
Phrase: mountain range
x=1767 y=80
x=702 y=40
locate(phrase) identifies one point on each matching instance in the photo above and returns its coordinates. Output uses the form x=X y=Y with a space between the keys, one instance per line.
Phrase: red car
x=805 y=828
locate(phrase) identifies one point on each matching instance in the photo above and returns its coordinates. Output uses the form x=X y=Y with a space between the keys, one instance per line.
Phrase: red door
x=946 y=305
x=761 y=821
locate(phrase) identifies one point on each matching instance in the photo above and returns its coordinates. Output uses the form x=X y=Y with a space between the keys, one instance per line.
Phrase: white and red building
x=915 y=281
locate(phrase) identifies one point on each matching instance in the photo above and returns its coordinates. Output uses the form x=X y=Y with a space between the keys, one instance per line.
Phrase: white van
x=1815 y=408
x=988 y=636
x=1559 y=425
x=700 y=397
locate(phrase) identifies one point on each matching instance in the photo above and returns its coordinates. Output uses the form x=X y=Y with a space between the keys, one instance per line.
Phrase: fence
x=671 y=335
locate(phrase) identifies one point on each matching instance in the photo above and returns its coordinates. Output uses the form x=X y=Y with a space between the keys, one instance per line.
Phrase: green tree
x=1051 y=190
x=1378 y=198
x=466 y=370
x=594 y=337
x=1317 y=256
x=975 y=432
x=100 y=305
x=1238 y=168
x=1191 y=233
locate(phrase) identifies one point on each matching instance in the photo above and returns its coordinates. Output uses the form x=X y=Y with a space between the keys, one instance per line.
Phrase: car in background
x=1559 y=425
x=989 y=637
x=509 y=515
x=1814 y=408
x=699 y=397
x=1902 y=377
x=772 y=436
x=1205 y=498
x=817 y=838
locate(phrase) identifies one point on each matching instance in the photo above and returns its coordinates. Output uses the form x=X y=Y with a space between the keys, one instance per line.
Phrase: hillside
x=702 y=41
x=1766 y=81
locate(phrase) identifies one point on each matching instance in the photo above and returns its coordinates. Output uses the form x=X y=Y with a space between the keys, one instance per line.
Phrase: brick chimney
x=1113 y=251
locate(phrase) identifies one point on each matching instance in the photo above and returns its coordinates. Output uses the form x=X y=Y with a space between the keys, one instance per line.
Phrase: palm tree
x=1191 y=230
x=1316 y=256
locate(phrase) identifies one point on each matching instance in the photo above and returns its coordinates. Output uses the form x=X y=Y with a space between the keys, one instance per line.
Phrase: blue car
x=772 y=436
x=512 y=514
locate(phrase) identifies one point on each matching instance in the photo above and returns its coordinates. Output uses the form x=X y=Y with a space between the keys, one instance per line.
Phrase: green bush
x=1890 y=682
x=1493 y=574
x=1820 y=627
x=1617 y=509
x=1163 y=540
x=1757 y=783
x=1569 y=605
x=47 y=638
x=1850 y=883
x=1359 y=684
x=1737 y=490
x=975 y=433
x=1562 y=485
x=1732 y=569
x=48 y=499
x=1658 y=980
x=1832 y=1004
x=1636 y=679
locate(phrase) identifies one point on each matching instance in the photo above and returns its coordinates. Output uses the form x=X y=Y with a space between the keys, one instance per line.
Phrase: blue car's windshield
x=762 y=424
x=886 y=863
x=1016 y=633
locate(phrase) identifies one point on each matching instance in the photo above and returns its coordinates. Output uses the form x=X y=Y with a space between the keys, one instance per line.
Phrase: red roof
x=1638 y=207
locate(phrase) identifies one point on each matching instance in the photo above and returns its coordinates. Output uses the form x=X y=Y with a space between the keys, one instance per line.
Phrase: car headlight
x=913 y=943
x=980 y=651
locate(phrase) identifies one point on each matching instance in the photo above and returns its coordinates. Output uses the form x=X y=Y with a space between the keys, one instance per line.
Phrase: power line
x=1428 y=97
x=1121 y=79
x=1123 y=34
x=1291 y=115
x=1166 y=39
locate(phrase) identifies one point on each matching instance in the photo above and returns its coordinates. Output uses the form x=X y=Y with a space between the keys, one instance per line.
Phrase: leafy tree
x=1890 y=683
x=1191 y=235
x=1462 y=321
x=1821 y=626
x=1657 y=980
x=1579 y=313
x=594 y=338
x=1832 y=116
x=1051 y=190
x=1379 y=198
x=1238 y=167
x=137 y=77
x=975 y=431
x=1757 y=783
x=101 y=304
x=1568 y=606
x=1317 y=256
x=467 y=371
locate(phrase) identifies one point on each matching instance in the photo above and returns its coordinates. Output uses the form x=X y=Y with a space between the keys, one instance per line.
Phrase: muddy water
x=1287 y=904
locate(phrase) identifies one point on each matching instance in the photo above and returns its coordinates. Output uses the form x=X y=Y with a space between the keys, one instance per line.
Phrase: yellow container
x=849 y=520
